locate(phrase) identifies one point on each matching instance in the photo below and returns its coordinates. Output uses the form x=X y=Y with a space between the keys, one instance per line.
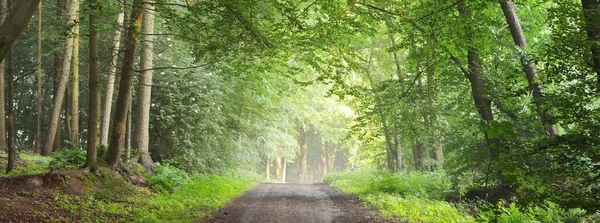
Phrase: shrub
x=167 y=177
x=67 y=158
x=546 y=213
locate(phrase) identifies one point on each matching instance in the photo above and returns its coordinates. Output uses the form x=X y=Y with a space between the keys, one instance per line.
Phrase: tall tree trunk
x=278 y=168
x=386 y=133
x=3 y=14
x=64 y=78
x=417 y=150
x=145 y=87
x=58 y=67
x=591 y=13
x=14 y=25
x=475 y=75
x=399 y=161
x=302 y=163
x=110 y=82
x=94 y=101
x=38 y=83
x=74 y=134
x=12 y=153
x=124 y=96
x=128 y=134
x=284 y=169
x=268 y=168
x=529 y=66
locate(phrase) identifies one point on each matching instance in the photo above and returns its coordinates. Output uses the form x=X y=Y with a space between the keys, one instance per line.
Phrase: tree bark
x=12 y=153
x=399 y=161
x=3 y=15
x=16 y=23
x=142 y=118
x=125 y=87
x=91 y=159
x=64 y=78
x=302 y=163
x=591 y=13
x=284 y=169
x=475 y=75
x=268 y=168
x=529 y=66
x=38 y=83
x=417 y=150
x=74 y=134
x=58 y=67
x=110 y=82
x=128 y=134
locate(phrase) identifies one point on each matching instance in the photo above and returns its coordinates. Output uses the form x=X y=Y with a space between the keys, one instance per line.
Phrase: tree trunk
x=94 y=101
x=3 y=15
x=12 y=153
x=278 y=168
x=110 y=82
x=591 y=13
x=302 y=163
x=128 y=134
x=64 y=78
x=476 y=78
x=144 y=90
x=58 y=68
x=386 y=134
x=268 y=168
x=124 y=96
x=399 y=161
x=74 y=134
x=417 y=150
x=529 y=66
x=284 y=169
x=15 y=24
x=38 y=83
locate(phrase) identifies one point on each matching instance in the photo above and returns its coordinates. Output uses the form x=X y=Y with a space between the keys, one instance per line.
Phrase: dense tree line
x=495 y=93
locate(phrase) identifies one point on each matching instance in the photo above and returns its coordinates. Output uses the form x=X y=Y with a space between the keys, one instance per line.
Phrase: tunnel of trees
x=496 y=95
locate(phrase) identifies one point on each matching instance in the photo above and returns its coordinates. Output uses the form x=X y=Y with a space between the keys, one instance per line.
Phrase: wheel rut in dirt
x=295 y=203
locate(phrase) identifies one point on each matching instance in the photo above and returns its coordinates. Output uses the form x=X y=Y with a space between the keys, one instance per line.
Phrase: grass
x=175 y=196
x=28 y=164
x=410 y=197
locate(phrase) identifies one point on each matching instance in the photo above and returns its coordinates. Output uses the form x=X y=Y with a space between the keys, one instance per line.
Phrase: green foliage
x=67 y=158
x=28 y=164
x=411 y=197
x=547 y=213
x=166 y=178
x=192 y=199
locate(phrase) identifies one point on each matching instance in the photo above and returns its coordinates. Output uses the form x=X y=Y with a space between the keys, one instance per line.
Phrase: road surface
x=291 y=203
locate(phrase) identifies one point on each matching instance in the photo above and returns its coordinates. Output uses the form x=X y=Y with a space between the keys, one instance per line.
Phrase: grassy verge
x=104 y=196
x=409 y=197
x=419 y=197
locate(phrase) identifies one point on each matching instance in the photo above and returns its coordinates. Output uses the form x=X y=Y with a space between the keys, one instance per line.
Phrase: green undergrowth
x=185 y=199
x=410 y=197
x=27 y=164
x=419 y=197
x=105 y=196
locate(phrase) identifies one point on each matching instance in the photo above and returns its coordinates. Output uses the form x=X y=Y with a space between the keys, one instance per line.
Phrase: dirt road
x=291 y=203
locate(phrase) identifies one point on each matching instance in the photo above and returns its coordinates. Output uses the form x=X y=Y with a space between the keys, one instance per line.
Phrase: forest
x=423 y=110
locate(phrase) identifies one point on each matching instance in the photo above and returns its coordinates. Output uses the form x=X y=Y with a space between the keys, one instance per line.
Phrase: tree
x=74 y=134
x=94 y=101
x=15 y=24
x=142 y=118
x=529 y=66
x=124 y=96
x=591 y=10
x=3 y=14
x=62 y=84
x=110 y=80
x=38 y=83
x=12 y=156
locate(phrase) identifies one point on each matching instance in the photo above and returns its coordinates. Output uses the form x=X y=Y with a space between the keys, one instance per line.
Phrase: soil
x=296 y=203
